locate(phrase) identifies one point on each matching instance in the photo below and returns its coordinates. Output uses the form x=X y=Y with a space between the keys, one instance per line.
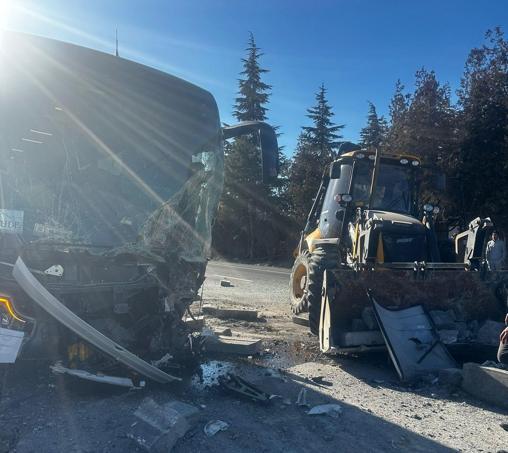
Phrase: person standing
x=496 y=252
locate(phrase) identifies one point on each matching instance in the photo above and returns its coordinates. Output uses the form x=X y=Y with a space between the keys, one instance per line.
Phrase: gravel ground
x=43 y=413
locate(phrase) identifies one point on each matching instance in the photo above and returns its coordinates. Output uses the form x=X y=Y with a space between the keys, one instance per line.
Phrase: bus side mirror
x=335 y=170
x=268 y=144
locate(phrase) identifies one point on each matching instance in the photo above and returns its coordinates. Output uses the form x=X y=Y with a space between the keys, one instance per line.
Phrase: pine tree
x=253 y=93
x=323 y=134
x=373 y=135
x=399 y=106
x=317 y=147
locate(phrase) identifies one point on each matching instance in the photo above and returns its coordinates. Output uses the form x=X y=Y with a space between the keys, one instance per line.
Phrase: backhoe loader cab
x=367 y=230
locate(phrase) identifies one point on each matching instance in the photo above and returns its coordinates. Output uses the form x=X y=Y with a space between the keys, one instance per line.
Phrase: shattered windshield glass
x=99 y=151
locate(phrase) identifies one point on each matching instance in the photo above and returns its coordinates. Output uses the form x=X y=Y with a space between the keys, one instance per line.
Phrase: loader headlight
x=415 y=163
x=436 y=210
x=343 y=198
x=428 y=207
x=404 y=161
x=7 y=311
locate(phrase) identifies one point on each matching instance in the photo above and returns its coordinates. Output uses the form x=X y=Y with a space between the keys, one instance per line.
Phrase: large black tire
x=298 y=283
x=321 y=259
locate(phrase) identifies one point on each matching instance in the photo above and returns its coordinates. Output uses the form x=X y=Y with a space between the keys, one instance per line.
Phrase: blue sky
x=357 y=48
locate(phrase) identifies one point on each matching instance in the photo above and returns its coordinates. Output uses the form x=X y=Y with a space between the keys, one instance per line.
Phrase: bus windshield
x=393 y=190
x=101 y=151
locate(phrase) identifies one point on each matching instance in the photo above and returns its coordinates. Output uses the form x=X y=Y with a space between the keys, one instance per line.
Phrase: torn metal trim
x=58 y=368
x=42 y=297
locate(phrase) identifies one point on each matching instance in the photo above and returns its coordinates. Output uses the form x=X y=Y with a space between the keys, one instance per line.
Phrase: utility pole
x=116 y=52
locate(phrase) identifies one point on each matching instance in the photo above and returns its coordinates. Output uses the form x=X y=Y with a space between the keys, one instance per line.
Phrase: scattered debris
x=319 y=380
x=302 y=398
x=240 y=386
x=213 y=427
x=230 y=313
x=58 y=368
x=158 y=428
x=228 y=345
x=301 y=320
x=332 y=410
x=226 y=283
x=486 y=383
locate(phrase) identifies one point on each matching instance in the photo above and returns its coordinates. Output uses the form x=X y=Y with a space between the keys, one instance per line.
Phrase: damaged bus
x=110 y=177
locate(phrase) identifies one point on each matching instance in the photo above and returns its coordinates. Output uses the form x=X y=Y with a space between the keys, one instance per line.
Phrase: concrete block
x=486 y=383
x=489 y=332
x=228 y=345
x=230 y=313
x=366 y=338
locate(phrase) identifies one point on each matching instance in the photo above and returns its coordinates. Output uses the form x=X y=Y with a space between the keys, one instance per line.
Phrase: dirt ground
x=40 y=412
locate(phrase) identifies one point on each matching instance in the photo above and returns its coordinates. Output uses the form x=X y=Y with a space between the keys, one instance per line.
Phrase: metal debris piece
x=56 y=270
x=332 y=410
x=240 y=386
x=302 y=398
x=320 y=380
x=226 y=283
x=213 y=427
x=58 y=368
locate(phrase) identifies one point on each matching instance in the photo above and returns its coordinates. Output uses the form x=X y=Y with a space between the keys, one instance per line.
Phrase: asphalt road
x=264 y=287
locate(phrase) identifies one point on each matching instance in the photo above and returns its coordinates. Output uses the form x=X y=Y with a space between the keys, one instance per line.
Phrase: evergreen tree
x=373 y=135
x=323 y=134
x=482 y=160
x=317 y=147
x=253 y=93
x=399 y=106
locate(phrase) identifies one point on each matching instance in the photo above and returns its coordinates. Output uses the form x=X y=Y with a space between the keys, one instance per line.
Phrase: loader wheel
x=320 y=260
x=298 y=283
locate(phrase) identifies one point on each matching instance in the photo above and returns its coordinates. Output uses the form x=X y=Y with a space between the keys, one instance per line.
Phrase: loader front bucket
x=466 y=297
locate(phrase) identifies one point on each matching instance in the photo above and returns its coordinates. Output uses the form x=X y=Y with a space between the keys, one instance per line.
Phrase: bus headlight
x=7 y=311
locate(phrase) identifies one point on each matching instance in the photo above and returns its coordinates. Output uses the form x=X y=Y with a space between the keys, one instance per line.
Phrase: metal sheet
x=42 y=297
x=413 y=344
